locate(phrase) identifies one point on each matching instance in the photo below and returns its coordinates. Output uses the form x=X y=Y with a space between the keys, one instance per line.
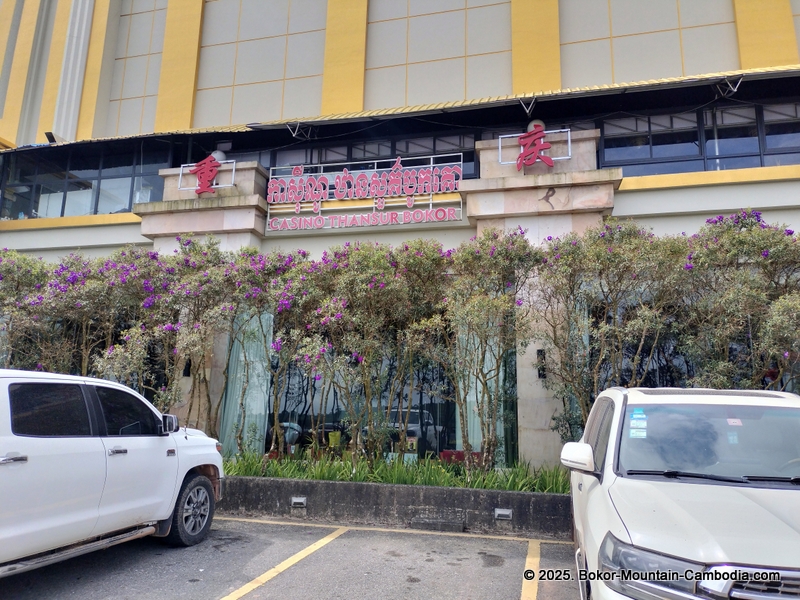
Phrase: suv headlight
x=639 y=574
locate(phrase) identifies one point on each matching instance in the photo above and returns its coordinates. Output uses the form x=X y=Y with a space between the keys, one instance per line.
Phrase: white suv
x=86 y=464
x=682 y=494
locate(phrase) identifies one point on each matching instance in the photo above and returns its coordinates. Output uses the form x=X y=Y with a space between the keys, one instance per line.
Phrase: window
x=603 y=434
x=48 y=410
x=125 y=414
x=723 y=137
x=84 y=179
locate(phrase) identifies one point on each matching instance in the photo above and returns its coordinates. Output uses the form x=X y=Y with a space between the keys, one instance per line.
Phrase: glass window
x=79 y=198
x=370 y=150
x=603 y=434
x=48 y=410
x=727 y=440
x=84 y=162
x=117 y=160
x=17 y=201
x=291 y=158
x=455 y=143
x=738 y=162
x=674 y=135
x=334 y=155
x=125 y=414
x=415 y=146
x=148 y=188
x=155 y=155
x=731 y=131
x=114 y=196
x=776 y=160
x=21 y=168
x=681 y=166
x=782 y=126
x=48 y=200
x=626 y=139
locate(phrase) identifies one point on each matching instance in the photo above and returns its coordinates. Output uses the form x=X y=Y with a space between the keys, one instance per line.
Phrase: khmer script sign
x=393 y=186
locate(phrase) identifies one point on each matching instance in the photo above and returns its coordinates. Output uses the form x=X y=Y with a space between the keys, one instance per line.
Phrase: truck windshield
x=725 y=440
x=398 y=417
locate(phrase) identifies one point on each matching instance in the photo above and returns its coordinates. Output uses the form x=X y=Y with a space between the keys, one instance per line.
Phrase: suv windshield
x=723 y=440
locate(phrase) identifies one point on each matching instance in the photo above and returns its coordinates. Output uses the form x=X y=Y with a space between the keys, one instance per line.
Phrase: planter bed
x=425 y=507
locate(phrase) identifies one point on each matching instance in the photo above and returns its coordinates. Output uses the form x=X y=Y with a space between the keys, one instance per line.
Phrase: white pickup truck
x=86 y=464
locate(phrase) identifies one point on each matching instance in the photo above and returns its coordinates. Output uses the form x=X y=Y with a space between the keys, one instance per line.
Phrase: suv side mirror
x=578 y=456
x=169 y=424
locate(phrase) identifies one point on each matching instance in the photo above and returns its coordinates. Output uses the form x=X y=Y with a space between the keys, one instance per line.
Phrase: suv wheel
x=194 y=511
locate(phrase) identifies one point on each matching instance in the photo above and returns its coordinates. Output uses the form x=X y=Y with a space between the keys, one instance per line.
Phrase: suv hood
x=711 y=523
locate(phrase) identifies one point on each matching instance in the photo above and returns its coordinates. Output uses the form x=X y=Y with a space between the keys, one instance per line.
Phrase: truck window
x=125 y=414
x=48 y=410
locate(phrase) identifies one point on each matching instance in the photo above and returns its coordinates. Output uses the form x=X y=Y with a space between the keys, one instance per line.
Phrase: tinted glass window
x=125 y=414
x=48 y=410
x=601 y=447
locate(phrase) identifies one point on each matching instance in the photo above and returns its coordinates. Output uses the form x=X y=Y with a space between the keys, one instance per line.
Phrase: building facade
x=665 y=111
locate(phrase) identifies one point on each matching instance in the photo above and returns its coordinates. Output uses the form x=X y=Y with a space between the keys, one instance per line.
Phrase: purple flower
x=317 y=377
x=519 y=302
x=688 y=266
x=765 y=253
x=789 y=232
x=785 y=355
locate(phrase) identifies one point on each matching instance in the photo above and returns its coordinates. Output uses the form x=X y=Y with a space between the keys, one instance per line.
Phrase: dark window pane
x=731 y=140
x=17 y=201
x=676 y=143
x=739 y=162
x=627 y=148
x=148 y=188
x=84 y=162
x=683 y=166
x=115 y=196
x=80 y=198
x=783 y=135
x=21 y=168
x=776 y=160
x=155 y=156
x=125 y=414
x=370 y=150
x=416 y=146
x=48 y=410
x=117 y=160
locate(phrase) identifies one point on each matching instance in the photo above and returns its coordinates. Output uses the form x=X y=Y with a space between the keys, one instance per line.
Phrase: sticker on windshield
x=638 y=433
x=735 y=422
x=638 y=424
x=733 y=437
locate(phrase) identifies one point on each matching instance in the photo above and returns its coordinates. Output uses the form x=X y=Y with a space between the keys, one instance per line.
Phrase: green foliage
x=430 y=472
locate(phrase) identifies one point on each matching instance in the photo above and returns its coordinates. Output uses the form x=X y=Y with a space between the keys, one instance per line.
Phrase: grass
x=519 y=478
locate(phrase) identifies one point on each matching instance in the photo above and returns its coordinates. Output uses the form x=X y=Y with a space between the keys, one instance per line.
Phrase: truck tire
x=193 y=513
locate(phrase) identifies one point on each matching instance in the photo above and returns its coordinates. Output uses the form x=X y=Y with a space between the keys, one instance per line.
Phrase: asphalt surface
x=263 y=558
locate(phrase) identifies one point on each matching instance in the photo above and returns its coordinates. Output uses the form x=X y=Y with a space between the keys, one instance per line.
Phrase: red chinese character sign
x=206 y=171
x=532 y=144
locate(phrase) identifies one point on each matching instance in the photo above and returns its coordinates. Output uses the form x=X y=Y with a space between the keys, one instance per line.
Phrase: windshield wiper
x=672 y=474
x=793 y=480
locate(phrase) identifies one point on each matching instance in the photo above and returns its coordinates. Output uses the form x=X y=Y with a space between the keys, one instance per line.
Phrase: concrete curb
x=424 y=507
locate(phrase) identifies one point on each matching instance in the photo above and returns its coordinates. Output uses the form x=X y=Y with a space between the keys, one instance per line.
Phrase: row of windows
x=711 y=139
x=104 y=178
x=89 y=179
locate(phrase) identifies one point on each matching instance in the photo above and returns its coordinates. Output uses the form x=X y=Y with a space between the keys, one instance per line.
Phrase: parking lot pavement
x=258 y=559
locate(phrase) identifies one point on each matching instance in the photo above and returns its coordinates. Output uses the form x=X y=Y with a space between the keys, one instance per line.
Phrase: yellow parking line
x=388 y=530
x=292 y=560
x=531 y=587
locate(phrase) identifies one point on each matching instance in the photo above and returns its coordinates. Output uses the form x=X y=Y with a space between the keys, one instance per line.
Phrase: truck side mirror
x=169 y=424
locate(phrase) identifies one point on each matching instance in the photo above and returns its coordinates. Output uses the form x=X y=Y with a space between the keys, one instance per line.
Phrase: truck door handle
x=7 y=460
x=117 y=450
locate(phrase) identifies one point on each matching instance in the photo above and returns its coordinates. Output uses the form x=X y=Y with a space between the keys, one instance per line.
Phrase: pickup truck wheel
x=194 y=511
